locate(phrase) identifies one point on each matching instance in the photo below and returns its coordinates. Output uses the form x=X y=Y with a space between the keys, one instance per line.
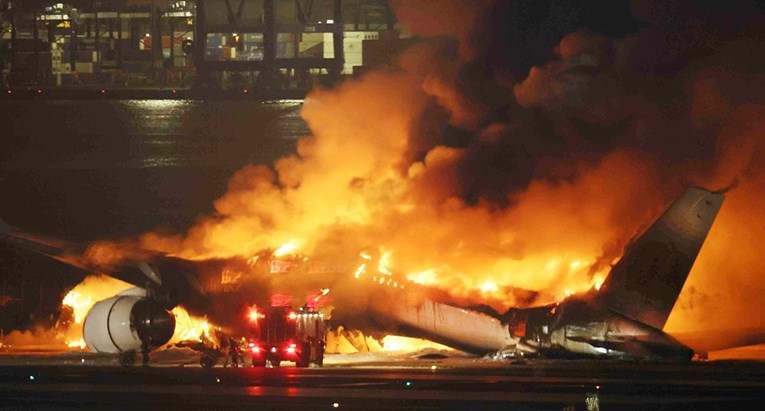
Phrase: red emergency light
x=10 y=91
x=103 y=91
x=39 y=91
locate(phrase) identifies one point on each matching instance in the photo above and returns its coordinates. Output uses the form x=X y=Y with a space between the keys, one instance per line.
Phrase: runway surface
x=86 y=381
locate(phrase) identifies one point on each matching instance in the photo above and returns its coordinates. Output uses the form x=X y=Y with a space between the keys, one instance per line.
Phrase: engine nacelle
x=122 y=322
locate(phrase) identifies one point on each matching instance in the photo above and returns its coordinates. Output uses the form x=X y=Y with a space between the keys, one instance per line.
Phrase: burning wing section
x=136 y=319
x=169 y=280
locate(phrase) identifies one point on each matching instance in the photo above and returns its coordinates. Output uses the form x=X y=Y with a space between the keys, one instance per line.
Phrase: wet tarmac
x=87 y=381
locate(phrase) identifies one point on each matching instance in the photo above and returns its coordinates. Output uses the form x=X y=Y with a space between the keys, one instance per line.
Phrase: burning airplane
x=502 y=184
x=623 y=319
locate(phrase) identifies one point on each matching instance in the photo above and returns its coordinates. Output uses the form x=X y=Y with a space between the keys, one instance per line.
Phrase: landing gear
x=145 y=353
x=207 y=361
x=127 y=358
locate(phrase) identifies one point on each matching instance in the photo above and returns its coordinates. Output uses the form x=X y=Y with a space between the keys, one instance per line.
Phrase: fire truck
x=284 y=334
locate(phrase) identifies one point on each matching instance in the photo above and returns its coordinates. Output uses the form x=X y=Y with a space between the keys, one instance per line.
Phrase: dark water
x=91 y=169
x=87 y=170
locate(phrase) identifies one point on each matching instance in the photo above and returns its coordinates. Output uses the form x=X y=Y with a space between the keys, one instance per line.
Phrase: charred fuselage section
x=624 y=319
x=585 y=328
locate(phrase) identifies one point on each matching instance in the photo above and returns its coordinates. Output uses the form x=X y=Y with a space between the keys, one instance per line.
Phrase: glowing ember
x=361 y=270
x=383 y=266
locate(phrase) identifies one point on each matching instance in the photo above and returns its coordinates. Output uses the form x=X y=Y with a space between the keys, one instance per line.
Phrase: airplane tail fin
x=646 y=282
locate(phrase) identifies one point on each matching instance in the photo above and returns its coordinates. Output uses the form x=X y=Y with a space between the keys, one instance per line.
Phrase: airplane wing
x=172 y=280
x=67 y=252
x=57 y=249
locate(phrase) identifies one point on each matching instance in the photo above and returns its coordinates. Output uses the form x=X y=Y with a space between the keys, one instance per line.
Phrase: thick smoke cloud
x=520 y=145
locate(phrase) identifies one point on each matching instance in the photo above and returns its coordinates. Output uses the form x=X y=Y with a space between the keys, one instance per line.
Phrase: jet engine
x=126 y=321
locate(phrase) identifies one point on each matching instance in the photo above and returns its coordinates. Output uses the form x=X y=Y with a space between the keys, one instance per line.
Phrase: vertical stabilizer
x=646 y=282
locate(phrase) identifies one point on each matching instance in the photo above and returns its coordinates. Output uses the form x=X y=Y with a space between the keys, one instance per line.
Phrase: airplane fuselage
x=577 y=327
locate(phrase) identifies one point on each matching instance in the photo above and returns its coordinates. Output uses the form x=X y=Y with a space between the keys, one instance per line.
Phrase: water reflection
x=146 y=133
x=107 y=168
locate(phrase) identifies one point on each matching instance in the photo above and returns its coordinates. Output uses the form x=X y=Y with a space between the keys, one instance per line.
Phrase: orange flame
x=98 y=287
x=189 y=327
x=400 y=343
x=79 y=304
x=82 y=298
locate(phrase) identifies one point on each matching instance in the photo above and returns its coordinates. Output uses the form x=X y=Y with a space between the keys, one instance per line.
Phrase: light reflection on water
x=147 y=133
x=109 y=168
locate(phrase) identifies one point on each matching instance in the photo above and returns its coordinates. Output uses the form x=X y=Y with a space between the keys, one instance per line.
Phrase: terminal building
x=258 y=45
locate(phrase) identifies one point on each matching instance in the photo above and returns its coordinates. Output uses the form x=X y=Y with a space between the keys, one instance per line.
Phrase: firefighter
x=224 y=348
x=233 y=351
